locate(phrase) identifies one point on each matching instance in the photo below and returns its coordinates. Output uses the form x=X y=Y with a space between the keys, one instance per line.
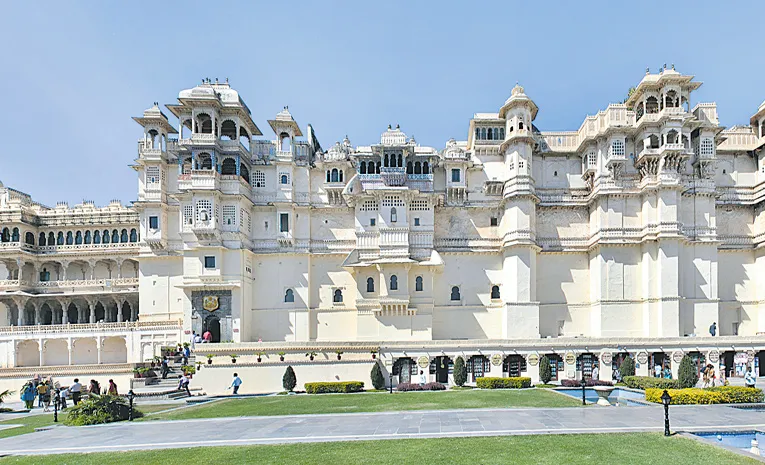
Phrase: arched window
x=335 y=175
x=363 y=167
x=501 y=133
x=483 y=133
x=286 y=142
x=341 y=175
x=477 y=133
x=400 y=161
x=124 y=236
x=153 y=138
x=15 y=235
x=418 y=284
x=45 y=275
x=205 y=161
x=495 y=292
x=455 y=293
x=377 y=170
x=229 y=166
x=228 y=130
x=651 y=105
x=289 y=296
x=42 y=240
x=393 y=215
x=409 y=168
x=520 y=124
x=418 y=168
x=425 y=168
x=60 y=238
x=78 y=237
x=115 y=236
x=394 y=283
x=133 y=235
x=204 y=123
x=88 y=238
x=370 y=285
x=69 y=238
x=29 y=238
x=385 y=160
x=337 y=296
x=328 y=176
x=5 y=236
x=105 y=237
x=51 y=238
x=283 y=179
x=244 y=173
x=490 y=134
x=97 y=237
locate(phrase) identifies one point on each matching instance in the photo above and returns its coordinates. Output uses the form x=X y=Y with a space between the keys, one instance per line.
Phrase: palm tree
x=5 y=394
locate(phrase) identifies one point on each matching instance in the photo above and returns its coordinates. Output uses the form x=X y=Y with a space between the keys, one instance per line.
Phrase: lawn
x=584 y=449
x=371 y=402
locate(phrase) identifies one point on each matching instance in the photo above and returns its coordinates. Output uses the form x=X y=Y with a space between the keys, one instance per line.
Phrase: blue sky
x=75 y=72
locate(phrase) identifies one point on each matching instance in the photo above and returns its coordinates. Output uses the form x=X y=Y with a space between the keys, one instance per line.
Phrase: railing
x=467 y=243
x=92 y=327
x=66 y=248
x=367 y=239
x=394 y=237
x=89 y=283
x=232 y=145
x=421 y=239
x=420 y=177
x=199 y=179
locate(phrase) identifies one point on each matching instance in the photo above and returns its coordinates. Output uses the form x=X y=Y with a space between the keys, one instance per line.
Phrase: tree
x=378 y=380
x=627 y=368
x=289 y=381
x=460 y=372
x=545 y=371
x=687 y=375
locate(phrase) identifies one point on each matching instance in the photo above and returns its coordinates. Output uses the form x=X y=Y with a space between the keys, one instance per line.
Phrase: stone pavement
x=374 y=426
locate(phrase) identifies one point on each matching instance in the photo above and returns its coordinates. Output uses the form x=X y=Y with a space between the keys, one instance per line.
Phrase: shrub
x=587 y=383
x=378 y=380
x=289 y=380
x=545 y=370
x=334 y=387
x=405 y=387
x=645 y=382
x=96 y=410
x=544 y=386
x=460 y=372
x=687 y=375
x=717 y=395
x=503 y=383
x=627 y=368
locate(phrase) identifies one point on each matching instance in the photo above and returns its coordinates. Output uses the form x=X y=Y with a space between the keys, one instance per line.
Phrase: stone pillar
x=532 y=367
x=64 y=311
x=119 y=310
x=36 y=306
x=92 y=307
x=134 y=310
x=69 y=347
x=42 y=352
x=119 y=268
x=98 y=348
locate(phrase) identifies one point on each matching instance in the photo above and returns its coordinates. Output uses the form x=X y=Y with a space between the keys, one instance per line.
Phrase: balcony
x=393 y=176
x=51 y=249
x=199 y=179
x=148 y=151
x=44 y=287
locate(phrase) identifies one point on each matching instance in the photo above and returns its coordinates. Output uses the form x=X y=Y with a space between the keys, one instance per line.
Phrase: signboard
x=677 y=356
x=496 y=360
x=533 y=359
x=423 y=362
x=642 y=358
x=713 y=356
x=570 y=358
x=606 y=358
x=750 y=355
x=741 y=358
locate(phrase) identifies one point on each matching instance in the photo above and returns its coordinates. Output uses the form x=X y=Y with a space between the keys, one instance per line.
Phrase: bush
x=544 y=386
x=334 y=387
x=545 y=370
x=687 y=375
x=289 y=380
x=378 y=380
x=627 y=368
x=503 y=383
x=460 y=372
x=717 y=395
x=587 y=383
x=645 y=382
x=97 y=410
x=404 y=387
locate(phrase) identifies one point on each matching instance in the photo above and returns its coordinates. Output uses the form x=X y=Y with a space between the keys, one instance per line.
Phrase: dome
x=518 y=97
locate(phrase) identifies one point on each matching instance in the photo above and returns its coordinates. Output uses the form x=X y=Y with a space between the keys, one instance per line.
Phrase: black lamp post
x=130 y=396
x=584 y=385
x=56 y=401
x=390 y=381
x=666 y=399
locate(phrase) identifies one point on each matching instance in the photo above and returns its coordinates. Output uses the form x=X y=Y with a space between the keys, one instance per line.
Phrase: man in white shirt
x=76 y=391
x=595 y=373
x=192 y=339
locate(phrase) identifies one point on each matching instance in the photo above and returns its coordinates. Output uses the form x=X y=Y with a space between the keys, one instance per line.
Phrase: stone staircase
x=158 y=388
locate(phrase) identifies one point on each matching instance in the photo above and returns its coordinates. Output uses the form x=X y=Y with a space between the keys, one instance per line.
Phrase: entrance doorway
x=212 y=324
x=443 y=367
x=478 y=366
x=403 y=367
x=514 y=365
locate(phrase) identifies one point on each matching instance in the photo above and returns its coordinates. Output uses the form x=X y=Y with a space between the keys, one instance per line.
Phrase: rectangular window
x=372 y=222
x=416 y=221
x=188 y=214
x=418 y=205
x=258 y=179
x=204 y=210
x=209 y=262
x=735 y=329
x=152 y=175
x=617 y=148
x=153 y=222
x=284 y=222
x=455 y=175
x=493 y=221
x=229 y=215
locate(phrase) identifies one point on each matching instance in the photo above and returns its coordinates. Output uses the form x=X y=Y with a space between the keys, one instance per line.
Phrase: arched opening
x=285 y=142
x=341 y=175
x=115 y=236
x=455 y=293
x=328 y=176
x=15 y=235
x=88 y=238
x=204 y=161
x=477 y=366
x=651 y=105
x=335 y=175
x=363 y=167
x=28 y=354
x=443 y=366
x=60 y=238
x=69 y=238
x=418 y=284
x=409 y=168
x=377 y=168
x=78 y=238
x=289 y=296
x=105 y=237
x=244 y=138
x=400 y=161
x=672 y=137
x=100 y=312
x=501 y=133
x=639 y=110
x=385 y=160
x=418 y=168
x=490 y=134
x=337 y=296
x=212 y=324
x=394 y=283
x=51 y=238
x=152 y=138
x=283 y=179
x=495 y=292
x=84 y=352
x=370 y=285
x=483 y=133
x=244 y=173
x=204 y=123
x=653 y=141
x=228 y=130
x=477 y=133
x=46 y=315
x=45 y=275
x=186 y=125
x=5 y=236
x=29 y=238
x=124 y=236
x=42 y=240
x=72 y=314
x=133 y=235
x=393 y=215
x=113 y=350
x=96 y=237
x=514 y=365
x=425 y=168
x=672 y=100
x=229 y=167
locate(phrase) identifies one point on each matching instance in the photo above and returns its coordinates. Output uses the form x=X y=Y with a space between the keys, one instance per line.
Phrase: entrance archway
x=444 y=366
x=403 y=367
x=212 y=324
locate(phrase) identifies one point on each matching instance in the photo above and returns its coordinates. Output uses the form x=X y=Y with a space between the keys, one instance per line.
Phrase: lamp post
x=56 y=401
x=390 y=381
x=130 y=396
x=666 y=399
x=584 y=385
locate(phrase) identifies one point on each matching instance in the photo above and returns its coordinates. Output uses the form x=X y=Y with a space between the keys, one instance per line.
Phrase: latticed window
x=258 y=179
x=617 y=148
x=392 y=201
x=707 y=147
x=419 y=205
x=204 y=210
x=370 y=206
x=188 y=214
x=152 y=175
x=591 y=159
x=229 y=214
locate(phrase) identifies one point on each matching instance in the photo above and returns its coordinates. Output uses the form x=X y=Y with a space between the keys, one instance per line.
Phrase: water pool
x=738 y=439
x=622 y=397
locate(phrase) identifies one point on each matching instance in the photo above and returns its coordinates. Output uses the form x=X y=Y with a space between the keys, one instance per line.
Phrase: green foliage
x=627 y=368
x=460 y=372
x=503 y=383
x=717 y=395
x=5 y=394
x=96 y=410
x=646 y=382
x=289 y=380
x=545 y=370
x=378 y=380
x=334 y=387
x=545 y=386
x=188 y=369
x=687 y=374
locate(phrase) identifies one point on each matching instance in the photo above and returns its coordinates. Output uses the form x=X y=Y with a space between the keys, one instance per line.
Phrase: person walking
x=28 y=393
x=207 y=336
x=705 y=376
x=749 y=379
x=76 y=391
x=197 y=340
x=186 y=354
x=63 y=395
x=43 y=393
x=112 y=388
x=595 y=372
x=165 y=368
x=713 y=329
x=183 y=383
x=423 y=379
x=657 y=371
x=667 y=372
x=193 y=339
x=94 y=387
x=236 y=383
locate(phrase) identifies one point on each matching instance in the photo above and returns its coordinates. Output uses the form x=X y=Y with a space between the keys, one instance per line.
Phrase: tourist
x=705 y=376
x=112 y=388
x=186 y=355
x=723 y=376
x=76 y=391
x=423 y=378
x=595 y=372
x=207 y=336
x=183 y=383
x=165 y=368
x=749 y=379
x=667 y=373
x=193 y=339
x=713 y=329
x=43 y=393
x=657 y=371
x=28 y=393
x=63 y=395
x=197 y=339
x=711 y=373
x=236 y=383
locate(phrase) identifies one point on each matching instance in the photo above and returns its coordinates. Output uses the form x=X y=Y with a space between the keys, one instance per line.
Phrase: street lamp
x=390 y=381
x=666 y=399
x=56 y=401
x=130 y=396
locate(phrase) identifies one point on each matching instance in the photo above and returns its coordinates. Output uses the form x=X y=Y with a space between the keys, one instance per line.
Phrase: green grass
x=371 y=402
x=575 y=449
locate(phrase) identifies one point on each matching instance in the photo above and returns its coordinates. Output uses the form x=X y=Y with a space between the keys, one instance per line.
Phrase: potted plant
x=199 y=366
x=233 y=358
x=339 y=353
x=311 y=355
x=137 y=372
x=281 y=356
x=260 y=355
x=209 y=358
x=374 y=354
x=186 y=344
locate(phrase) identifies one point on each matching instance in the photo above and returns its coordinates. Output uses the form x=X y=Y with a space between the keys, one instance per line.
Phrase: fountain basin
x=603 y=393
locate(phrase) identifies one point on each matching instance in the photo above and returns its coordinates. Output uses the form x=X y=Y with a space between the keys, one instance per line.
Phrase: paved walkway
x=387 y=425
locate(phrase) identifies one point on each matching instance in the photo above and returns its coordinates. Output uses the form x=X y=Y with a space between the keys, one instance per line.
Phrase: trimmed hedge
x=503 y=383
x=96 y=410
x=334 y=387
x=646 y=382
x=587 y=383
x=405 y=387
x=716 y=395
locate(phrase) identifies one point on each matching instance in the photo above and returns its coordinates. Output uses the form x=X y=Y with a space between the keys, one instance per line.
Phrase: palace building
x=632 y=234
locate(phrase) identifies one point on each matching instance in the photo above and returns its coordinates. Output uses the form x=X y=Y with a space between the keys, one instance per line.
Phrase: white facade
x=644 y=224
